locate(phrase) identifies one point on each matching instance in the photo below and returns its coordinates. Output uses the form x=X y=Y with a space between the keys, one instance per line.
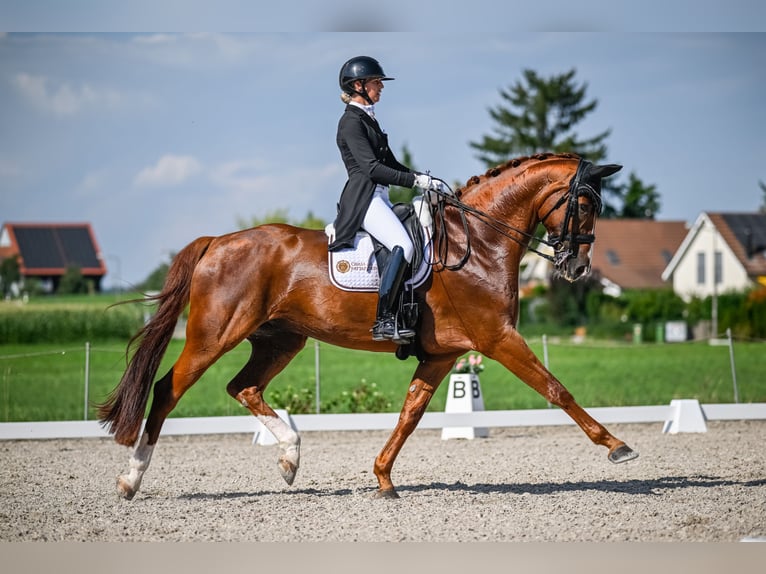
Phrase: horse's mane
x=473 y=181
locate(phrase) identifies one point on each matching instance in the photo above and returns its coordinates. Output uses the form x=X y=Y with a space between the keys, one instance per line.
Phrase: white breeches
x=381 y=222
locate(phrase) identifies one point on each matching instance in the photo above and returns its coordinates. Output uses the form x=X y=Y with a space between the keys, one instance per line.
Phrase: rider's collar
x=369 y=110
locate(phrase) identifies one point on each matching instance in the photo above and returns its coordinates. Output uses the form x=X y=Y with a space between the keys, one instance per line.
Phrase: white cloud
x=64 y=99
x=169 y=170
x=202 y=50
x=249 y=175
x=155 y=39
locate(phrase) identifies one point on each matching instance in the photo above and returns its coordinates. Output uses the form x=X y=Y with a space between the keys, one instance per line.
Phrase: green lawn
x=46 y=382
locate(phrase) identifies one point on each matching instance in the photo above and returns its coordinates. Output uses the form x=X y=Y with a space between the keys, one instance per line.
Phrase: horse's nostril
x=581 y=270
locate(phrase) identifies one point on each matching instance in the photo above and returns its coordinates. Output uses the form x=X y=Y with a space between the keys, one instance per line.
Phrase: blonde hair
x=345 y=97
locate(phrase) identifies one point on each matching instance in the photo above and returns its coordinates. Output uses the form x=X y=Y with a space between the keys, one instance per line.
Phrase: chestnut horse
x=270 y=285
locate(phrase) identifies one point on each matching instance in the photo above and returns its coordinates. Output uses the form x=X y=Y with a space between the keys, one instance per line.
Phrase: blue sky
x=157 y=138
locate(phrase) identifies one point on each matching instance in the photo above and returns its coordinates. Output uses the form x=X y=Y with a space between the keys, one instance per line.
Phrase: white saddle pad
x=356 y=269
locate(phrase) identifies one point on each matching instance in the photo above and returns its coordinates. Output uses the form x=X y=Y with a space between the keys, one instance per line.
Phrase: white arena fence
x=669 y=415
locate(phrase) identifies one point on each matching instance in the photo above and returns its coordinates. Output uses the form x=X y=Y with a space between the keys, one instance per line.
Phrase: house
x=627 y=254
x=46 y=250
x=721 y=252
x=633 y=253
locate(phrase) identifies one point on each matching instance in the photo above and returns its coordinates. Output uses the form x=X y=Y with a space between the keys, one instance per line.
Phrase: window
x=718 y=267
x=700 y=268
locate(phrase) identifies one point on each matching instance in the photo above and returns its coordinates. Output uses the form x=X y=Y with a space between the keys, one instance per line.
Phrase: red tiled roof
x=633 y=253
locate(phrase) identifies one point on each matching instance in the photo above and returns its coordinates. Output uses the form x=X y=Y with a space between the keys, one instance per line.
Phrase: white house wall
x=707 y=240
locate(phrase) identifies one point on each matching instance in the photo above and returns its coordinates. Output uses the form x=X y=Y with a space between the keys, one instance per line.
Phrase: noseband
x=567 y=237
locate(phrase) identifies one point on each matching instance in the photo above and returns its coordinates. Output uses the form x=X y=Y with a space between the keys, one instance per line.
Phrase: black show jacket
x=369 y=161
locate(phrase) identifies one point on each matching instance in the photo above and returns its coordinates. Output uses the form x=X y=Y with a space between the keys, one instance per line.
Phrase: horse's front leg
x=425 y=381
x=514 y=353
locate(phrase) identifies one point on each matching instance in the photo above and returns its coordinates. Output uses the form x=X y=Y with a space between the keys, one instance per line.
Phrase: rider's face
x=374 y=88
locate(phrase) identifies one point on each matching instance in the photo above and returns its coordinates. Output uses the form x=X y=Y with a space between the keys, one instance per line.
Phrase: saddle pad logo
x=343 y=266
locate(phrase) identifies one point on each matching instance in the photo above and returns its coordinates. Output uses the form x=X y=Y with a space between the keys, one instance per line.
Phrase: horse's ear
x=602 y=171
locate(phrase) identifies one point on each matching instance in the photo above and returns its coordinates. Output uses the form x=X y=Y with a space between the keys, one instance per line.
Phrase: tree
x=156 y=279
x=9 y=273
x=763 y=199
x=311 y=221
x=403 y=194
x=276 y=216
x=72 y=281
x=639 y=200
x=540 y=116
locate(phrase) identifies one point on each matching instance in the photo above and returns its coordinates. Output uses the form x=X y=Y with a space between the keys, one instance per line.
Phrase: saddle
x=358 y=269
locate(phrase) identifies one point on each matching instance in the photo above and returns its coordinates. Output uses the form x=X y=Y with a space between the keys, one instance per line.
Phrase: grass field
x=46 y=382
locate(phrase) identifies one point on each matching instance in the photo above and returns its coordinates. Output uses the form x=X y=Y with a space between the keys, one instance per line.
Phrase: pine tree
x=639 y=200
x=539 y=115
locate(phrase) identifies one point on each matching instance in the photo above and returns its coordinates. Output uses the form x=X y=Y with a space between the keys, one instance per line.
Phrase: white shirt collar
x=369 y=110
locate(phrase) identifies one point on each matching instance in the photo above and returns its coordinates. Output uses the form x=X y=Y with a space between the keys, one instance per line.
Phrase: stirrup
x=387 y=328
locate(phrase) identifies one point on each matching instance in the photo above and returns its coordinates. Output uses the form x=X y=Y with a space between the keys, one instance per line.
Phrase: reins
x=576 y=188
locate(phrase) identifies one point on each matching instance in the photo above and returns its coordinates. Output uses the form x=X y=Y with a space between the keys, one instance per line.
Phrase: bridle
x=565 y=245
x=578 y=187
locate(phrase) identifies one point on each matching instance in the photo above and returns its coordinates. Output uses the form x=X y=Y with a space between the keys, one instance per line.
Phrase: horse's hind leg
x=515 y=355
x=272 y=350
x=168 y=390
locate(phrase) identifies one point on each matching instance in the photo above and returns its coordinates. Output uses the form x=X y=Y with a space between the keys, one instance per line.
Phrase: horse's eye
x=585 y=208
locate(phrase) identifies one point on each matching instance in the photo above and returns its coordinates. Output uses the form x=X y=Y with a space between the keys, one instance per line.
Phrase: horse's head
x=569 y=214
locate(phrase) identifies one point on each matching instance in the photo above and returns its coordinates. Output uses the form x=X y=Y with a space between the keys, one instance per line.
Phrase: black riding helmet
x=360 y=68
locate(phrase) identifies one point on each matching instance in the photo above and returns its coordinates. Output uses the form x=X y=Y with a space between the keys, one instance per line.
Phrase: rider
x=364 y=202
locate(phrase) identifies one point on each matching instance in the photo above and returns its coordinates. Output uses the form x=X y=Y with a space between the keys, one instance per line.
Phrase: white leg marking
x=139 y=462
x=289 y=445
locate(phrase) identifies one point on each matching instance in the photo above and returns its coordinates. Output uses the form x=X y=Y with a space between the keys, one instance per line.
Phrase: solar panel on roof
x=56 y=247
x=749 y=229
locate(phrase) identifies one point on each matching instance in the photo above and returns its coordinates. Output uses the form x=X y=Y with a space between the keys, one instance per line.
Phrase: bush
x=363 y=399
x=742 y=312
x=294 y=401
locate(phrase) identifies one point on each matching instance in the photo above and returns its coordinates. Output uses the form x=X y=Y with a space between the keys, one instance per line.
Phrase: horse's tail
x=124 y=409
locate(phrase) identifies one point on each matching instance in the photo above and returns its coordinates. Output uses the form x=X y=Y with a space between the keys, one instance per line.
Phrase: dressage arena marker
x=464 y=396
x=686 y=416
x=248 y=424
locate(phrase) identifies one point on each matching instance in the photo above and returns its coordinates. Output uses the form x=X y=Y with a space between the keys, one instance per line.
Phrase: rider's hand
x=423 y=182
x=442 y=190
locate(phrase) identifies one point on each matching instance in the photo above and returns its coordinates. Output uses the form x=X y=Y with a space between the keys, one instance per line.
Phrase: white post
x=87 y=381
x=545 y=359
x=316 y=374
x=464 y=396
x=733 y=368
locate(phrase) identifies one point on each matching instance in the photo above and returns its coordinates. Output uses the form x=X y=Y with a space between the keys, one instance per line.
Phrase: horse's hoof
x=389 y=494
x=622 y=453
x=125 y=490
x=288 y=470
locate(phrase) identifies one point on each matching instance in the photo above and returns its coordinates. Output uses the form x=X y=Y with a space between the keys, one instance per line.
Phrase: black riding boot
x=385 y=326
